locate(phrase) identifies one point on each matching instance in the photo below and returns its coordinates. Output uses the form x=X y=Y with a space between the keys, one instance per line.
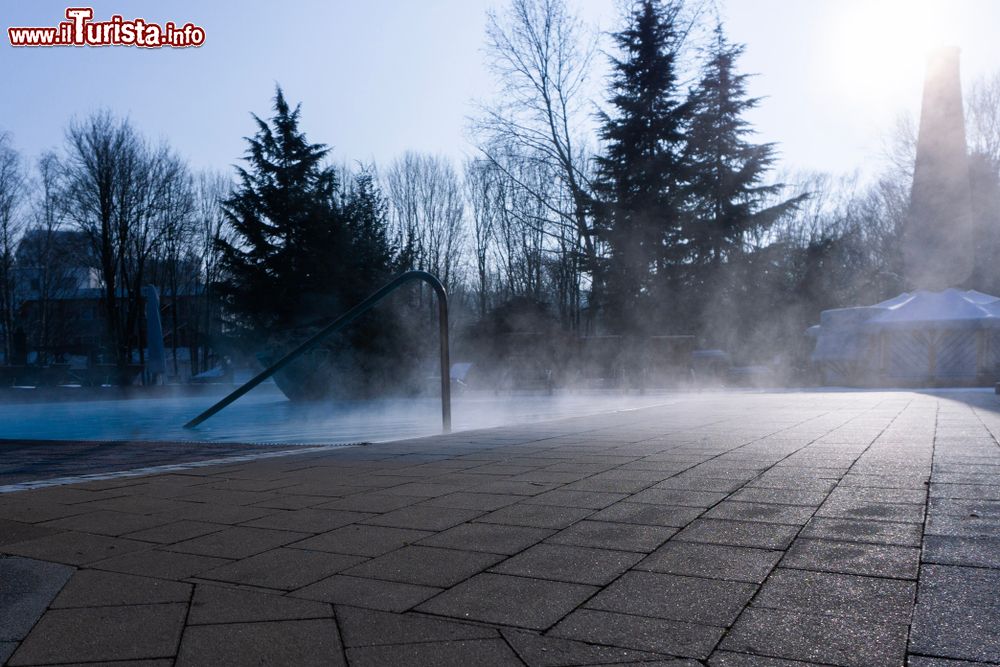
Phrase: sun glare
x=882 y=44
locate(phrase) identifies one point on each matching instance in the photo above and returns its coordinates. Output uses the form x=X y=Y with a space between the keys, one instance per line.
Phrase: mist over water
x=265 y=416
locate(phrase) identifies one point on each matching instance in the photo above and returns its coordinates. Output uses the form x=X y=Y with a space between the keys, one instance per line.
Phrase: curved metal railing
x=342 y=322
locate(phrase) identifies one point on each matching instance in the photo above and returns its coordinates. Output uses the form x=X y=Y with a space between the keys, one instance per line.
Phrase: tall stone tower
x=937 y=240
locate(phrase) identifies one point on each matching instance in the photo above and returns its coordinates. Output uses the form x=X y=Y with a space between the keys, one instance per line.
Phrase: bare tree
x=983 y=117
x=542 y=57
x=483 y=192
x=212 y=229
x=50 y=260
x=12 y=190
x=426 y=211
x=176 y=267
x=118 y=192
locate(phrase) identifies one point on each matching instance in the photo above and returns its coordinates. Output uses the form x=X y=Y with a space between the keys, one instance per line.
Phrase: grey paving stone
x=176 y=531
x=309 y=520
x=370 y=502
x=678 y=497
x=96 y=588
x=730 y=659
x=956 y=614
x=285 y=569
x=425 y=566
x=739 y=533
x=649 y=515
x=222 y=514
x=160 y=564
x=712 y=561
x=856 y=530
x=73 y=548
x=16 y=531
x=287 y=501
x=26 y=589
x=609 y=535
x=844 y=595
x=225 y=604
x=424 y=489
x=368 y=593
x=517 y=488
x=536 y=516
x=362 y=540
x=509 y=600
x=424 y=517
x=674 y=597
x=799 y=483
x=962 y=526
x=237 y=542
x=965 y=491
x=875 y=560
x=366 y=627
x=594 y=500
x=572 y=564
x=913 y=482
x=869 y=494
x=480 y=652
x=924 y=661
x=540 y=651
x=800 y=497
x=696 y=483
x=301 y=643
x=960 y=507
x=28 y=510
x=646 y=634
x=474 y=501
x=104 y=522
x=818 y=638
x=764 y=512
x=103 y=633
x=609 y=485
x=488 y=537
x=974 y=552
x=859 y=508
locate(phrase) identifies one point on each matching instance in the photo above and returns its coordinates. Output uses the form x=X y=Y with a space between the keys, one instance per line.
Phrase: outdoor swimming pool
x=265 y=416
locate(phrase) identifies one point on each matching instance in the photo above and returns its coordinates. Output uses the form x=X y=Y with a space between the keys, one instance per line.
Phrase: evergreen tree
x=727 y=199
x=287 y=223
x=639 y=175
x=305 y=248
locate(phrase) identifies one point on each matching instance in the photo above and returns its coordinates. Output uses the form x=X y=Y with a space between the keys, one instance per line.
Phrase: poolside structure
x=946 y=338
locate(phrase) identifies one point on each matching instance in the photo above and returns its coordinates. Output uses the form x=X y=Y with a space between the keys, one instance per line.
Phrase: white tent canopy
x=918 y=338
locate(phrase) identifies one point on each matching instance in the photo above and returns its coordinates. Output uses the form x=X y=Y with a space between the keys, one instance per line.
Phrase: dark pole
x=445 y=361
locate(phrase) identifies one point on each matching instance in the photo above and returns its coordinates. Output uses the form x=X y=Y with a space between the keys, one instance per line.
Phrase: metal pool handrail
x=343 y=321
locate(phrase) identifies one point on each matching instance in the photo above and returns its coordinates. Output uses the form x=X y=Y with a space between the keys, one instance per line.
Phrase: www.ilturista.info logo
x=81 y=30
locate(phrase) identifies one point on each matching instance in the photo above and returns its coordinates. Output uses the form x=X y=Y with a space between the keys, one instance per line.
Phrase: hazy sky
x=377 y=77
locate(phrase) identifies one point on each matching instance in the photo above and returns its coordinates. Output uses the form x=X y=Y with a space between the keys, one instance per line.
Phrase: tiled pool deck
x=726 y=529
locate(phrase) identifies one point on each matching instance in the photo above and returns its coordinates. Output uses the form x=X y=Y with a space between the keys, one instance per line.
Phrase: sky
x=378 y=77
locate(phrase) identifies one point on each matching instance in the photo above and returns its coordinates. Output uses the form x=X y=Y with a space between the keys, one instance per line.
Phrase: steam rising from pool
x=265 y=416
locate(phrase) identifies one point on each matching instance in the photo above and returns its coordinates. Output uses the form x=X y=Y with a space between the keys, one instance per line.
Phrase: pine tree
x=366 y=211
x=727 y=199
x=308 y=245
x=640 y=173
x=289 y=229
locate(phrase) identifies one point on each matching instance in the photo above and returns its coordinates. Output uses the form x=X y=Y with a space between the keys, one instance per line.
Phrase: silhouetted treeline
x=637 y=204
